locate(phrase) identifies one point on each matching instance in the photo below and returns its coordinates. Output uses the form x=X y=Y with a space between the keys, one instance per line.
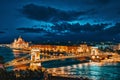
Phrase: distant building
x=20 y=43
x=116 y=47
x=83 y=48
x=68 y=49
x=94 y=50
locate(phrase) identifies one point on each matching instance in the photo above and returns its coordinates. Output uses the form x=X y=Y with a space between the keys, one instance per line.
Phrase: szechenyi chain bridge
x=42 y=53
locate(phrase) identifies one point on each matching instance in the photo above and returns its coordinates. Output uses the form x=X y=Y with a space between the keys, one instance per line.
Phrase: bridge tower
x=35 y=56
x=94 y=52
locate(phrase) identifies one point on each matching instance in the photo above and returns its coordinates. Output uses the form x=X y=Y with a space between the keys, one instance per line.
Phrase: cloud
x=79 y=28
x=96 y=2
x=30 y=30
x=86 y=32
x=2 y=32
x=114 y=30
x=49 y=14
x=76 y=28
x=72 y=2
x=104 y=1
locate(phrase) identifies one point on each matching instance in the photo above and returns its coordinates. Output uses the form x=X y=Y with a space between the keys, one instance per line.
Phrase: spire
x=20 y=39
x=15 y=40
x=19 y=36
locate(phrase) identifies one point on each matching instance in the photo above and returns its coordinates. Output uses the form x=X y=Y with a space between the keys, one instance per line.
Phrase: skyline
x=61 y=20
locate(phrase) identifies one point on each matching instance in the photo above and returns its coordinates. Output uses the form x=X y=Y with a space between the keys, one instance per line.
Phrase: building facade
x=20 y=43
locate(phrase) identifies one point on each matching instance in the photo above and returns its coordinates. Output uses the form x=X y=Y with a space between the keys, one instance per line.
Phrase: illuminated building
x=94 y=50
x=20 y=44
x=116 y=47
x=83 y=48
x=68 y=49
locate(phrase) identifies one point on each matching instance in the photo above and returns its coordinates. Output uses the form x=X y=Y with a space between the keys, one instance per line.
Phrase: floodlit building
x=83 y=49
x=20 y=43
x=116 y=47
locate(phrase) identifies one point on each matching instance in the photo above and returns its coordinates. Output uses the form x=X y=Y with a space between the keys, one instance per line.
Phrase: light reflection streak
x=92 y=70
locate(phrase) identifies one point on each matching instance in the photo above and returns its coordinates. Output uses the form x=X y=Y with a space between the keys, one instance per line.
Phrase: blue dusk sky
x=60 y=20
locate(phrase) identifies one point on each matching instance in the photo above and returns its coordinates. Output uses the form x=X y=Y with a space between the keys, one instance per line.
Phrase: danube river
x=92 y=70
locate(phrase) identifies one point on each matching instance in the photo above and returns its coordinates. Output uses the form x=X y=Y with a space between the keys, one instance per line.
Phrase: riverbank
x=33 y=75
x=67 y=78
x=115 y=58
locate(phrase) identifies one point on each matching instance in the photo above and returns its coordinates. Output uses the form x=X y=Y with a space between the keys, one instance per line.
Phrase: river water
x=93 y=70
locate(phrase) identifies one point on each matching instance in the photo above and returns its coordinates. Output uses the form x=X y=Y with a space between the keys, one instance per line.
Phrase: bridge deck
x=22 y=61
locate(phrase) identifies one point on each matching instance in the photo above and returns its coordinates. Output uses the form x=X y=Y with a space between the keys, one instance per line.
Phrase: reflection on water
x=93 y=70
x=18 y=55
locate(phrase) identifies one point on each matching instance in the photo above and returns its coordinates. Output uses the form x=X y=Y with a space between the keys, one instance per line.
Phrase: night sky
x=60 y=20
